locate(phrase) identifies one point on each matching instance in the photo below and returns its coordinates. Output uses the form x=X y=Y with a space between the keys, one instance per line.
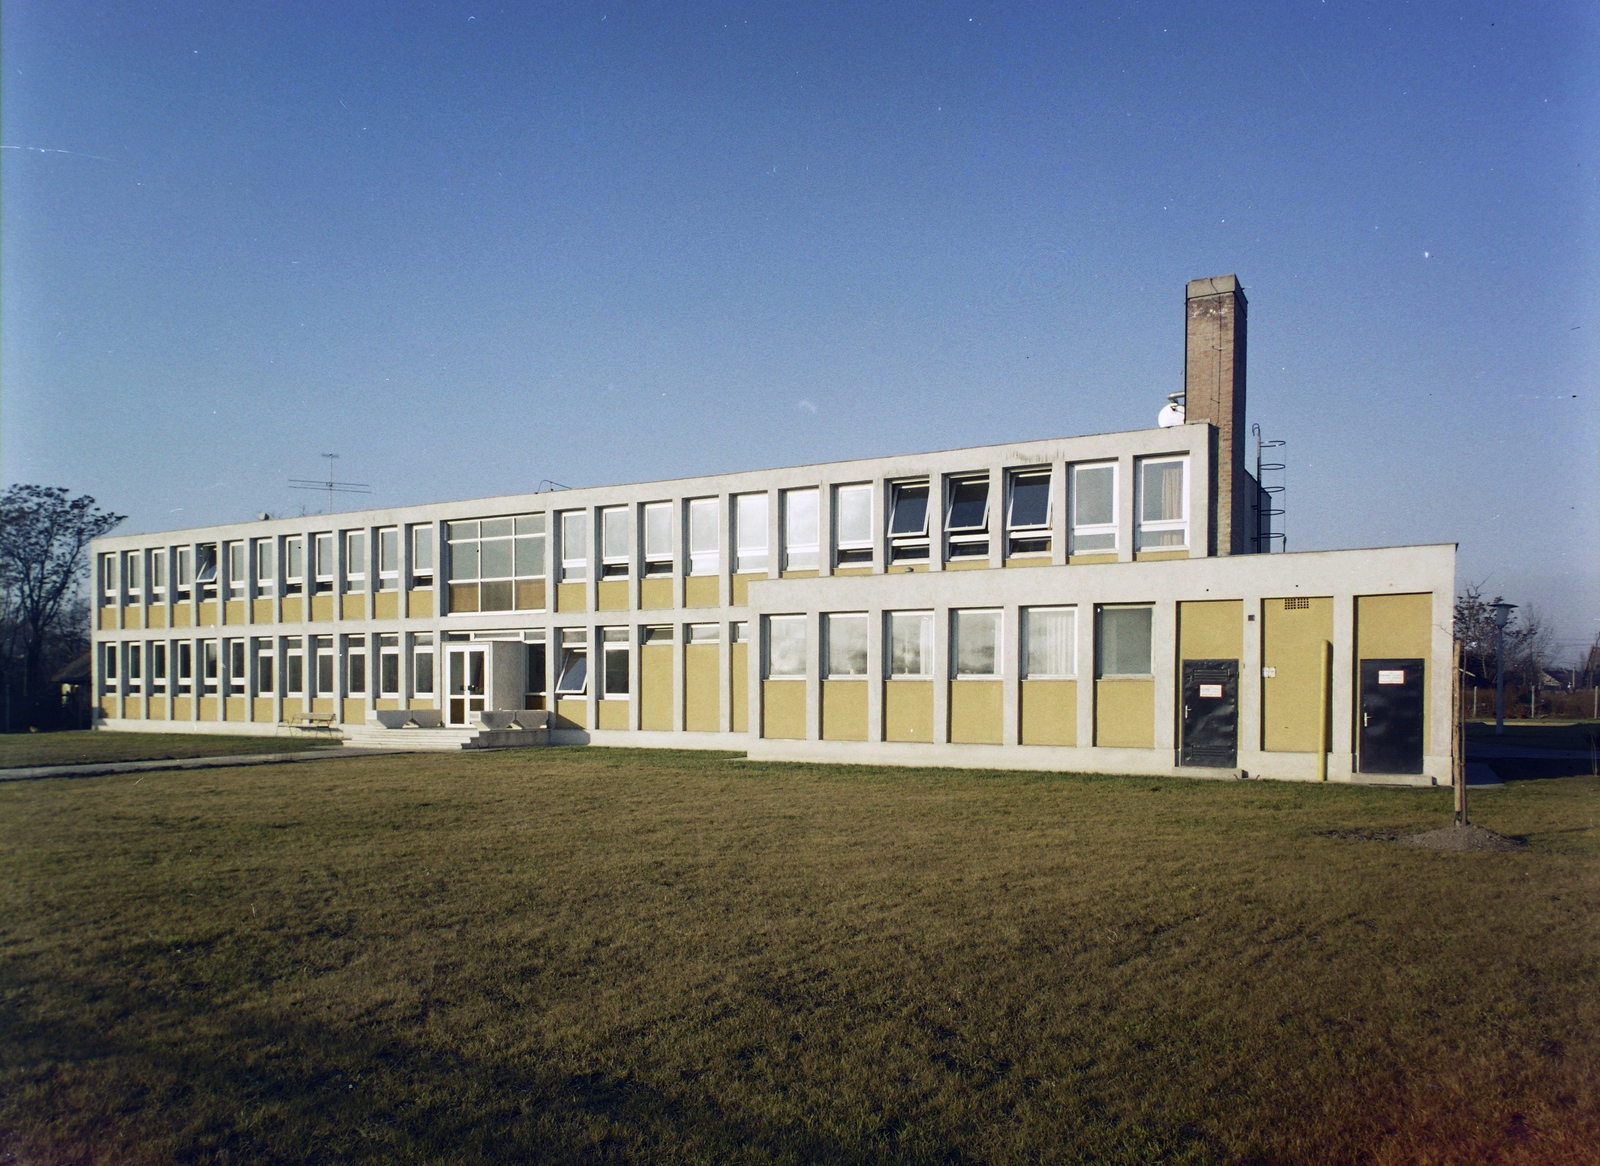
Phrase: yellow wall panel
x=702 y=702
x=233 y=708
x=655 y=594
x=261 y=610
x=612 y=714
x=263 y=709
x=611 y=595
x=322 y=704
x=655 y=687
x=182 y=616
x=703 y=591
x=133 y=617
x=800 y=574
x=844 y=710
x=1075 y=560
x=1211 y=630
x=321 y=607
x=1029 y=561
x=855 y=569
x=419 y=604
x=571 y=597
x=353 y=606
x=208 y=613
x=741 y=588
x=1397 y=627
x=108 y=706
x=108 y=619
x=133 y=708
x=155 y=616
x=182 y=710
x=530 y=595
x=158 y=708
x=1291 y=647
x=784 y=710
x=354 y=711
x=293 y=607
x=1049 y=712
x=975 y=712
x=420 y=702
x=1125 y=713
x=908 y=710
x=386 y=605
x=233 y=611
x=1157 y=556
x=208 y=708
x=572 y=714
x=965 y=564
x=387 y=703
x=740 y=664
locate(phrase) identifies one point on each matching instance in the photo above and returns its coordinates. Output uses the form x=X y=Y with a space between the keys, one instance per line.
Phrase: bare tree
x=44 y=542
x=1474 y=627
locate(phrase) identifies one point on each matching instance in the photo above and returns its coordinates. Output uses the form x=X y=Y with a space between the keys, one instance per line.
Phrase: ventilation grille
x=1297 y=603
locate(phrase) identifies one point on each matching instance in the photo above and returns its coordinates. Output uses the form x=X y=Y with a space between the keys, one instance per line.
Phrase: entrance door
x=1210 y=713
x=1391 y=716
x=466 y=696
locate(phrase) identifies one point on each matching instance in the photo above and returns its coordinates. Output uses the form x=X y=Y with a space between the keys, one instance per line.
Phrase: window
x=703 y=541
x=158 y=575
x=852 y=525
x=614 y=658
x=183 y=571
x=322 y=677
x=908 y=521
x=294 y=560
x=705 y=633
x=265 y=682
x=977 y=643
x=1094 y=509
x=658 y=538
x=131 y=574
x=422 y=663
x=264 y=575
x=108 y=667
x=131 y=671
x=355 y=560
x=967 y=519
x=422 y=556
x=750 y=521
x=573 y=678
x=1028 y=522
x=294 y=667
x=536 y=678
x=847 y=645
x=800 y=530
x=355 y=665
x=238 y=579
x=739 y=632
x=389 y=665
x=911 y=644
x=209 y=664
x=660 y=635
x=574 y=546
x=185 y=667
x=206 y=569
x=786 y=647
x=108 y=580
x=1122 y=647
x=389 y=559
x=614 y=554
x=1163 y=503
x=322 y=551
x=496 y=564
x=1052 y=642
x=158 y=669
x=236 y=671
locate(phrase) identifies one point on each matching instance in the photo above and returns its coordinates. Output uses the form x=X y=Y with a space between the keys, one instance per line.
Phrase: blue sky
x=468 y=247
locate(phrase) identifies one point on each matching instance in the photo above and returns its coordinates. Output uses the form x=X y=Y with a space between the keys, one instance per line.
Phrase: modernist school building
x=1093 y=603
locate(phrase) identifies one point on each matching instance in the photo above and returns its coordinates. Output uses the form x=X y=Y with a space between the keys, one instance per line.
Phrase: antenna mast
x=331 y=486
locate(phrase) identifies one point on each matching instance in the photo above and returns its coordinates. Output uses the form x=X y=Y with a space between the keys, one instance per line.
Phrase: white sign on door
x=1211 y=690
x=1391 y=676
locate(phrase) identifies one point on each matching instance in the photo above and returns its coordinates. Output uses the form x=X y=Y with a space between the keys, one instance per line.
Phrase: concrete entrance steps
x=411 y=731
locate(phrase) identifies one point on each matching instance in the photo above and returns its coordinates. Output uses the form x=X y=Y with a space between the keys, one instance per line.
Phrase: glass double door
x=467 y=688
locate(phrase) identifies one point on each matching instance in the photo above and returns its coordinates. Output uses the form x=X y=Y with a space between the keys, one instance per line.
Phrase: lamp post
x=1502 y=616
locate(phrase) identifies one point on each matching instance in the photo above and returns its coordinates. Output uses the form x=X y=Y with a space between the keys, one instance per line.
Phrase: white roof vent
x=1172 y=413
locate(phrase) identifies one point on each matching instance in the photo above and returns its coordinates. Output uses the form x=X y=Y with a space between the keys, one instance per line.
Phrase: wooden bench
x=308 y=721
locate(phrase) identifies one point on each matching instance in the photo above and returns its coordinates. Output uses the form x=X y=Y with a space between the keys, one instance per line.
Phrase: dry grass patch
x=23 y=750
x=606 y=955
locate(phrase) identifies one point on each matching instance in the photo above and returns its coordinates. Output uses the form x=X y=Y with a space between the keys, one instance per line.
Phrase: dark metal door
x=1391 y=716
x=1210 y=713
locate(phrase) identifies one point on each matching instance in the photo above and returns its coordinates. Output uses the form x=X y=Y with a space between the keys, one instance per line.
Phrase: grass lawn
x=20 y=750
x=621 y=956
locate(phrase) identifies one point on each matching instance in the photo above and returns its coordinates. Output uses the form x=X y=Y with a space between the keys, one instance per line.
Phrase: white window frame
x=969 y=540
x=615 y=528
x=852 y=550
x=1101 y=639
x=1164 y=525
x=1094 y=530
x=210 y=667
x=423 y=678
x=183 y=668
x=788 y=623
x=574 y=654
x=908 y=544
x=205 y=573
x=1033 y=532
x=1024 y=661
x=158 y=575
x=387 y=561
x=133 y=574
x=705 y=545
x=294 y=565
x=750 y=533
x=322 y=648
x=155 y=654
x=236 y=652
x=831 y=625
x=614 y=641
x=264 y=562
x=183 y=571
x=388 y=650
x=926 y=647
x=997 y=666
x=355 y=647
x=422 y=556
x=802 y=551
x=235 y=557
x=108 y=578
x=294 y=653
x=574 y=568
x=132 y=670
x=702 y=633
x=355 y=560
x=655 y=520
x=109 y=653
x=323 y=552
x=266 y=673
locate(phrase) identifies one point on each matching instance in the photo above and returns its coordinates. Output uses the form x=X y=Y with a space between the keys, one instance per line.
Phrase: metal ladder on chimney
x=1269 y=502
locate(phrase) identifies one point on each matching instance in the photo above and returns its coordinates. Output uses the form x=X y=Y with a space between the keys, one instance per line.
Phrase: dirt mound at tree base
x=1462 y=838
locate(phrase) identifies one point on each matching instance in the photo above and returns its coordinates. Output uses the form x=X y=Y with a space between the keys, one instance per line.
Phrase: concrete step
x=442 y=740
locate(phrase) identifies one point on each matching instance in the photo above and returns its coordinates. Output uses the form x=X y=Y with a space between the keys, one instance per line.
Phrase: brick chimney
x=1213 y=383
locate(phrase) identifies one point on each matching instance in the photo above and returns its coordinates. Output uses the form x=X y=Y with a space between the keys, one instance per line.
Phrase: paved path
x=102 y=768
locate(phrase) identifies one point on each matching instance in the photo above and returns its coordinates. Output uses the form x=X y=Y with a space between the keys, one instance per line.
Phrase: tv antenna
x=331 y=486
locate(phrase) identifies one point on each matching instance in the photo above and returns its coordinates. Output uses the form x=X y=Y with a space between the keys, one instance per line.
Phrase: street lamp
x=1502 y=616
